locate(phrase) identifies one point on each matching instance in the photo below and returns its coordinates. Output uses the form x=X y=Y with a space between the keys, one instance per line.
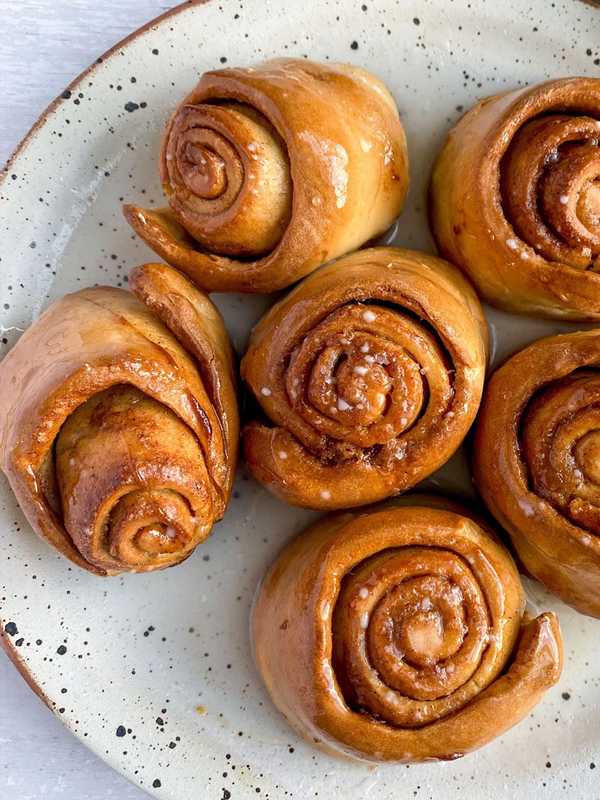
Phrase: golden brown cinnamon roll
x=119 y=429
x=399 y=635
x=515 y=199
x=371 y=371
x=537 y=462
x=271 y=171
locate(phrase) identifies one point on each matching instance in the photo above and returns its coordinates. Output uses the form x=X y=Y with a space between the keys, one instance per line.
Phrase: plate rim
x=6 y=641
x=89 y=70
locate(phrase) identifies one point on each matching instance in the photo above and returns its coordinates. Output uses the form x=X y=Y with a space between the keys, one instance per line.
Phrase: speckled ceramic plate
x=154 y=672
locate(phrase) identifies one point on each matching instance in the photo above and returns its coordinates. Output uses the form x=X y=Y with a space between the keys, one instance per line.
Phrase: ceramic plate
x=154 y=672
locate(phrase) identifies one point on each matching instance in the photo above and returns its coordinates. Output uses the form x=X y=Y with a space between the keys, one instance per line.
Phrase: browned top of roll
x=173 y=353
x=399 y=635
x=273 y=170
x=371 y=371
x=515 y=198
x=537 y=461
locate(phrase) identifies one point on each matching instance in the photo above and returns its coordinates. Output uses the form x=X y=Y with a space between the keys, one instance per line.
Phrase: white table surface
x=44 y=44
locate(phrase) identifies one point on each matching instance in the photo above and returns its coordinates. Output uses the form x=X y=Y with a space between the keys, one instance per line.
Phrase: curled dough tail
x=121 y=426
x=371 y=371
x=274 y=170
x=398 y=635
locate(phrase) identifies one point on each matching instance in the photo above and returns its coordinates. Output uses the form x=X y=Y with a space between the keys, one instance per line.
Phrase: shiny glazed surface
x=273 y=170
x=398 y=634
x=515 y=199
x=371 y=371
x=537 y=462
x=214 y=596
x=120 y=422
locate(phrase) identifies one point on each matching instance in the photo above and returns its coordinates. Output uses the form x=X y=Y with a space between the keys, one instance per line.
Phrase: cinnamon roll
x=537 y=462
x=399 y=635
x=371 y=371
x=515 y=199
x=273 y=170
x=119 y=428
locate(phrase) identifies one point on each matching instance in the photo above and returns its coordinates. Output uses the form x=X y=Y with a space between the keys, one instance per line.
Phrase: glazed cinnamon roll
x=515 y=199
x=371 y=371
x=119 y=427
x=537 y=462
x=271 y=171
x=399 y=635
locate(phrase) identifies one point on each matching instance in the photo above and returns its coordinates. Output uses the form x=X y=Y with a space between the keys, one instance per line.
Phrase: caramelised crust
x=398 y=635
x=371 y=371
x=271 y=171
x=515 y=199
x=537 y=462
x=120 y=425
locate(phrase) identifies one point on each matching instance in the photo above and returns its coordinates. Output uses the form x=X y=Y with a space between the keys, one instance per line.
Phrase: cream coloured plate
x=154 y=672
